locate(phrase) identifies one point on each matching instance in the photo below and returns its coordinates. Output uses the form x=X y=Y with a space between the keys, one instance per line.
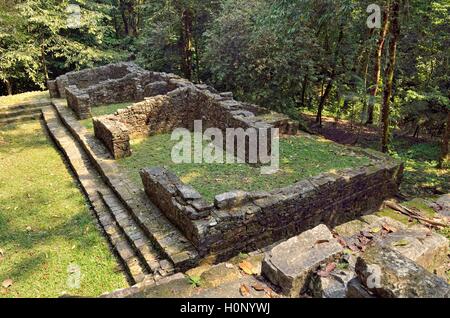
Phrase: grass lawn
x=22 y=98
x=45 y=224
x=102 y=110
x=421 y=175
x=300 y=157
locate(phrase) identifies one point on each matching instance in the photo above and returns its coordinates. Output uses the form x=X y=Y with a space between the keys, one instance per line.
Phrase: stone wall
x=180 y=108
x=113 y=83
x=239 y=221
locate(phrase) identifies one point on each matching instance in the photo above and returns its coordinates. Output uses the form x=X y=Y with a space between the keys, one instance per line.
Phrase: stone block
x=230 y=199
x=425 y=247
x=291 y=263
x=389 y=274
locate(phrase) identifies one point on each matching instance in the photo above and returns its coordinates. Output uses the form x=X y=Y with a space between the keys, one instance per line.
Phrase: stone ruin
x=254 y=221
x=113 y=83
x=240 y=220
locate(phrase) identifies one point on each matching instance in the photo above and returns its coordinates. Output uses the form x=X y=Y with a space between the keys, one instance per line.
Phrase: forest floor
x=421 y=177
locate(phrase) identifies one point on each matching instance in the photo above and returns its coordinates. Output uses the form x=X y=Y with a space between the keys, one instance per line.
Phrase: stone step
x=19 y=119
x=20 y=112
x=91 y=183
x=166 y=237
x=23 y=106
x=136 y=237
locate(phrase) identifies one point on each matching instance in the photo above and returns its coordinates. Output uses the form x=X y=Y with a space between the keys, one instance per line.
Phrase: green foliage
x=195 y=281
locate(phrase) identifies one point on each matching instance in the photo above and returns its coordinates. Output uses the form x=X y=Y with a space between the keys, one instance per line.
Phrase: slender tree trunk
x=129 y=17
x=377 y=65
x=187 y=43
x=44 y=62
x=395 y=34
x=444 y=159
x=322 y=102
x=8 y=86
x=331 y=80
x=304 y=87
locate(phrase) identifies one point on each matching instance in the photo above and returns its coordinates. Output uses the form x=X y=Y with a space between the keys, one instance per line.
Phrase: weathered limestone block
x=357 y=290
x=291 y=263
x=53 y=89
x=389 y=274
x=334 y=285
x=426 y=248
x=231 y=199
x=442 y=205
x=114 y=136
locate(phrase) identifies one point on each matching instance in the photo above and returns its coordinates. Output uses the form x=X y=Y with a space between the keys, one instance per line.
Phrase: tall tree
x=444 y=158
x=387 y=95
x=377 y=64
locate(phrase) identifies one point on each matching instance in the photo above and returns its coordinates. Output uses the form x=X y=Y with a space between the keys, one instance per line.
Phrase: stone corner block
x=291 y=264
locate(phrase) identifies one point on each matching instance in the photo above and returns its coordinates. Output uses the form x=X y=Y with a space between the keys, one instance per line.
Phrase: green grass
x=22 y=98
x=300 y=157
x=45 y=224
x=102 y=110
x=421 y=177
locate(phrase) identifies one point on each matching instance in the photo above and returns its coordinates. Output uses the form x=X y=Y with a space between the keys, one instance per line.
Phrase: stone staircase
x=148 y=246
x=21 y=113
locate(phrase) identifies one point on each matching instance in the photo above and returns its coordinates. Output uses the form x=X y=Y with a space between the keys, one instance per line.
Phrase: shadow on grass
x=13 y=137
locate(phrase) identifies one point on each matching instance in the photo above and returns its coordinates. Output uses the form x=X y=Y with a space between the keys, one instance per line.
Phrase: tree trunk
x=44 y=63
x=304 y=86
x=129 y=17
x=322 y=102
x=444 y=159
x=332 y=76
x=395 y=34
x=186 y=43
x=377 y=66
x=8 y=86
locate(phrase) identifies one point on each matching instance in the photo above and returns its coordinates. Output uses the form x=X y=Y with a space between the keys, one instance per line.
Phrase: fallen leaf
x=7 y=283
x=247 y=267
x=258 y=287
x=322 y=241
x=245 y=292
x=328 y=269
x=2 y=252
x=28 y=228
x=375 y=230
x=390 y=229
x=403 y=242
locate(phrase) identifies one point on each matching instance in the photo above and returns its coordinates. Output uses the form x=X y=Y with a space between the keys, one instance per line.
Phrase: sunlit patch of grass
x=22 y=98
x=300 y=157
x=421 y=176
x=45 y=223
x=102 y=110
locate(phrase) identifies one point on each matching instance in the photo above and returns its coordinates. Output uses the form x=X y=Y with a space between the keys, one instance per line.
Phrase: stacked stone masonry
x=180 y=108
x=245 y=221
x=113 y=83
x=237 y=221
